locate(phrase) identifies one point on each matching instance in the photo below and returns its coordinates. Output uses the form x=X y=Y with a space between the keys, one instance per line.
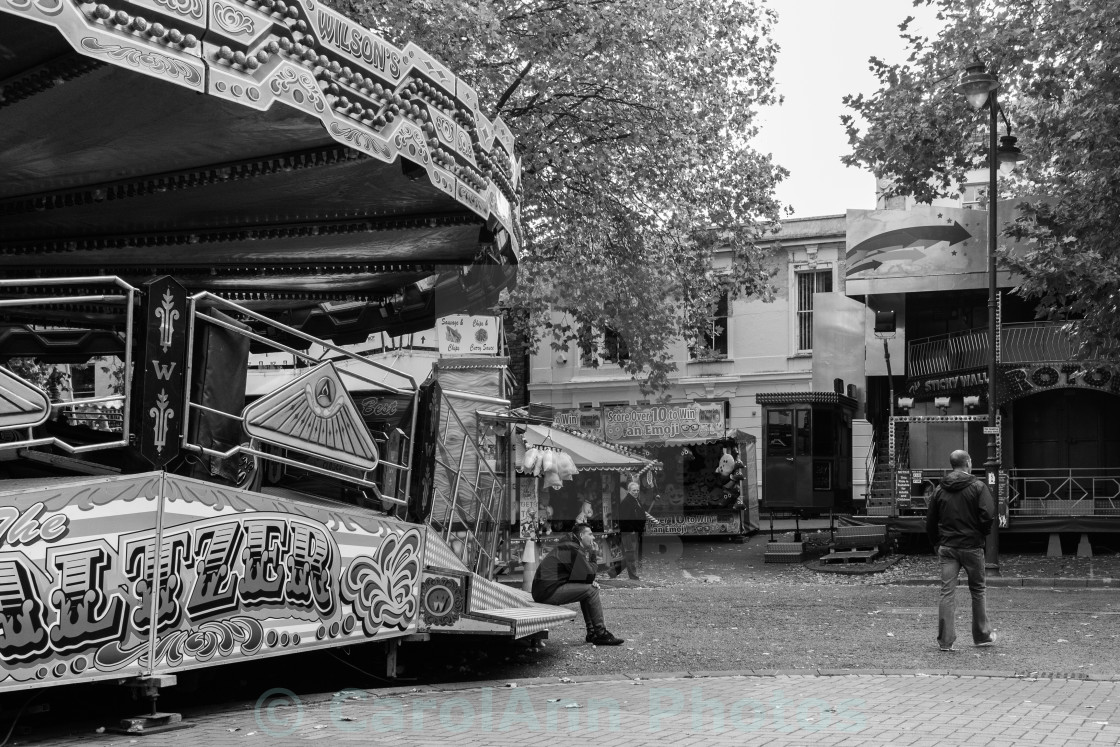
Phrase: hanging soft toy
x=731 y=469
x=726 y=465
x=586 y=512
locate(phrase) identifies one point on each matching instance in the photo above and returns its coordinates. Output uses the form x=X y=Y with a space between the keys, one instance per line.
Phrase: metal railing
x=1037 y=342
x=1064 y=492
x=944 y=353
x=469 y=496
x=1041 y=492
x=869 y=463
x=1030 y=342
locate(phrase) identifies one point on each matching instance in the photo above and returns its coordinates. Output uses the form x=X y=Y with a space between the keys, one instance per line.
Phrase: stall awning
x=587 y=455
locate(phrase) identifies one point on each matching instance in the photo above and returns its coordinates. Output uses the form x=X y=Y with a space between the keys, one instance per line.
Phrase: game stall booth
x=184 y=185
x=706 y=484
x=564 y=478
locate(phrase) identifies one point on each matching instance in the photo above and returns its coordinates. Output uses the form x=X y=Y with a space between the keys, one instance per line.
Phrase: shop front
x=707 y=482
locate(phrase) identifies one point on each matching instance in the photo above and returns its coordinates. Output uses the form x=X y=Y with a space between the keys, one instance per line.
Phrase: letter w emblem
x=163 y=372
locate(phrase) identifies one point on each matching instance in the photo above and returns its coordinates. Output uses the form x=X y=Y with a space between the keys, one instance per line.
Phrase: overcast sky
x=825 y=47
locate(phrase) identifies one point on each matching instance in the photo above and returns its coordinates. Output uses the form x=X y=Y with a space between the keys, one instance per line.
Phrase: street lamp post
x=979 y=87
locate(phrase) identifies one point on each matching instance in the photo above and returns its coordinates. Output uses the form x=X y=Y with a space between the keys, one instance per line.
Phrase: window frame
x=602 y=358
x=801 y=328
x=721 y=339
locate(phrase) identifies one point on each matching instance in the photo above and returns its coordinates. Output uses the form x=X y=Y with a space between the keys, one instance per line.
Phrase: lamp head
x=976 y=84
x=1008 y=155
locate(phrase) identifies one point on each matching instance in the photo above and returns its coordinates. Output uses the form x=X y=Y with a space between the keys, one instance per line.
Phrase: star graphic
x=940 y=215
x=954 y=252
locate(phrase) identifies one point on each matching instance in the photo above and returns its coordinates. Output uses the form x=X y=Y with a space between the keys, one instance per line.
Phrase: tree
x=1060 y=90
x=633 y=120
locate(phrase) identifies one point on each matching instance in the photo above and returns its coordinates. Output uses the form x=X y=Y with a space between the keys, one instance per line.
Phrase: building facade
x=755 y=347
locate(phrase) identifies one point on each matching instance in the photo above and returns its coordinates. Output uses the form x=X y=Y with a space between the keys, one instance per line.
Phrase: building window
x=82 y=381
x=614 y=349
x=712 y=344
x=974 y=196
x=608 y=347
x=808 y=283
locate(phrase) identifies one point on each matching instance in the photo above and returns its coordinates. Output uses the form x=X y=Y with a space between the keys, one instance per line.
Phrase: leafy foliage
x=633 y=120
x=50 y=378
x=112 y=367
x=1060 y=90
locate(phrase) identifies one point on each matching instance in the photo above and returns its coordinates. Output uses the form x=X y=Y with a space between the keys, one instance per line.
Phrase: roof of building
x=831 y=226
x=805 y=398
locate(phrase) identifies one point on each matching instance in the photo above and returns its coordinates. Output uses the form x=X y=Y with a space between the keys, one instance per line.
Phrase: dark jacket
x=960 y=512
x=564 y=565
x=631 y=515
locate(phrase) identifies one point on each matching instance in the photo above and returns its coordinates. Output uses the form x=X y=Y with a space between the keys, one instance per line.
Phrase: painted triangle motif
x=21 y=404
x=314 y=414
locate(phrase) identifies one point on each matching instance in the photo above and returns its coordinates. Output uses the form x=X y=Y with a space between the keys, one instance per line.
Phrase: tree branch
x=512 y=87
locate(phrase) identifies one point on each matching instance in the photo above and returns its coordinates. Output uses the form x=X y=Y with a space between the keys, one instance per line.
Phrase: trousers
x=631 y=552
x=952 y=560
x=589 y=603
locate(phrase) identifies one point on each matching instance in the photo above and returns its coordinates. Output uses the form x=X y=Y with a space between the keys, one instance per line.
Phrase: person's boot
x=591 y=633
x=605 y=638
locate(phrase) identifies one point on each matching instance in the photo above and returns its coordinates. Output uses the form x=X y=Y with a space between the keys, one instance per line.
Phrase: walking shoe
x=606 y=638
x=990 y=642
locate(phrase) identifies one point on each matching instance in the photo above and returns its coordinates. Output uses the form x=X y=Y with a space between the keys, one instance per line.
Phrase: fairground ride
x=184 y=183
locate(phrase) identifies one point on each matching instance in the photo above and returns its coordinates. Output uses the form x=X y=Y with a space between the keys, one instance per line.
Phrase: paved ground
x=936 y=699
x=868 y=708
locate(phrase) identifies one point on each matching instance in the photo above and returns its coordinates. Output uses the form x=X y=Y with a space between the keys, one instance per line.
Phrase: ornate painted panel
x=72 y=589
x=249 y=575
x=239 y=575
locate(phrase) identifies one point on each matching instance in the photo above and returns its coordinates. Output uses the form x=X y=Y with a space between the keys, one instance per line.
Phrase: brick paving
x=857 y=709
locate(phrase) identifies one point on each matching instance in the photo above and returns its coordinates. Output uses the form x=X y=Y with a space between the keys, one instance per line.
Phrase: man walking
x=957 y=523
x=567 y=575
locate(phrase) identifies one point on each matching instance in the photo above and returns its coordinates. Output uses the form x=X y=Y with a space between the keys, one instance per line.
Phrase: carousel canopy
x=587 y=455
x=274 y=153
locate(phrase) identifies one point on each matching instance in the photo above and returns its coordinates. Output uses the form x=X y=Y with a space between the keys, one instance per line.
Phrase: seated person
x=566 y=575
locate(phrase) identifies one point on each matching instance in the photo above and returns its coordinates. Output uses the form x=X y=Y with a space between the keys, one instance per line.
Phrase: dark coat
x=566 y=564
x=960 y=512
x=631 y=515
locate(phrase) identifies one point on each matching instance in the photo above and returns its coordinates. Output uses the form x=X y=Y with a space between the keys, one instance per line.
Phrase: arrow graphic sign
x=910 y=244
